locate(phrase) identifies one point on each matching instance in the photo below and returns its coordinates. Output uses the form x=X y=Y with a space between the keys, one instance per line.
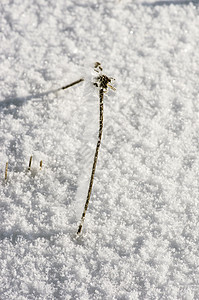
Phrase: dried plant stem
x=71 y=84
x=6 y=171
x=30 y=162
x=101 y=97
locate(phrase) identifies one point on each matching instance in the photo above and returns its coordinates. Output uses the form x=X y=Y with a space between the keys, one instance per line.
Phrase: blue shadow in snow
x=19 y=101
x=169 y=2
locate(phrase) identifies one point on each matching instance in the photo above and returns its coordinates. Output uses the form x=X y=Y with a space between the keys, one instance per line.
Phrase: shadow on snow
x=19 y=101
x=170 y=2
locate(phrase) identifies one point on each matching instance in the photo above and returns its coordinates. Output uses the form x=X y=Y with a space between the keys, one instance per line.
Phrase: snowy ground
x=141 y=237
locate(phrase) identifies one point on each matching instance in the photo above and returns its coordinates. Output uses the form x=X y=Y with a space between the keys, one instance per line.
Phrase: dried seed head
x=102 y=81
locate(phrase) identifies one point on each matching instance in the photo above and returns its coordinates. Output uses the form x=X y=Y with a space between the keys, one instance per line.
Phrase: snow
x=140 y=236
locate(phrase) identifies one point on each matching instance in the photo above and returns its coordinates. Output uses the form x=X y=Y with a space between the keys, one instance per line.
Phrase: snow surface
x=140 y=239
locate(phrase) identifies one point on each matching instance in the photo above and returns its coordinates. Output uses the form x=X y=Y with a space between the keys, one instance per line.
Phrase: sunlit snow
x=140 y=238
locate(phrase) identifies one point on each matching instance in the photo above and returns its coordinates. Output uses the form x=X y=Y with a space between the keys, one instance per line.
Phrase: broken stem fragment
x=30 y=162
x=6 y=171
x=71 y=84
